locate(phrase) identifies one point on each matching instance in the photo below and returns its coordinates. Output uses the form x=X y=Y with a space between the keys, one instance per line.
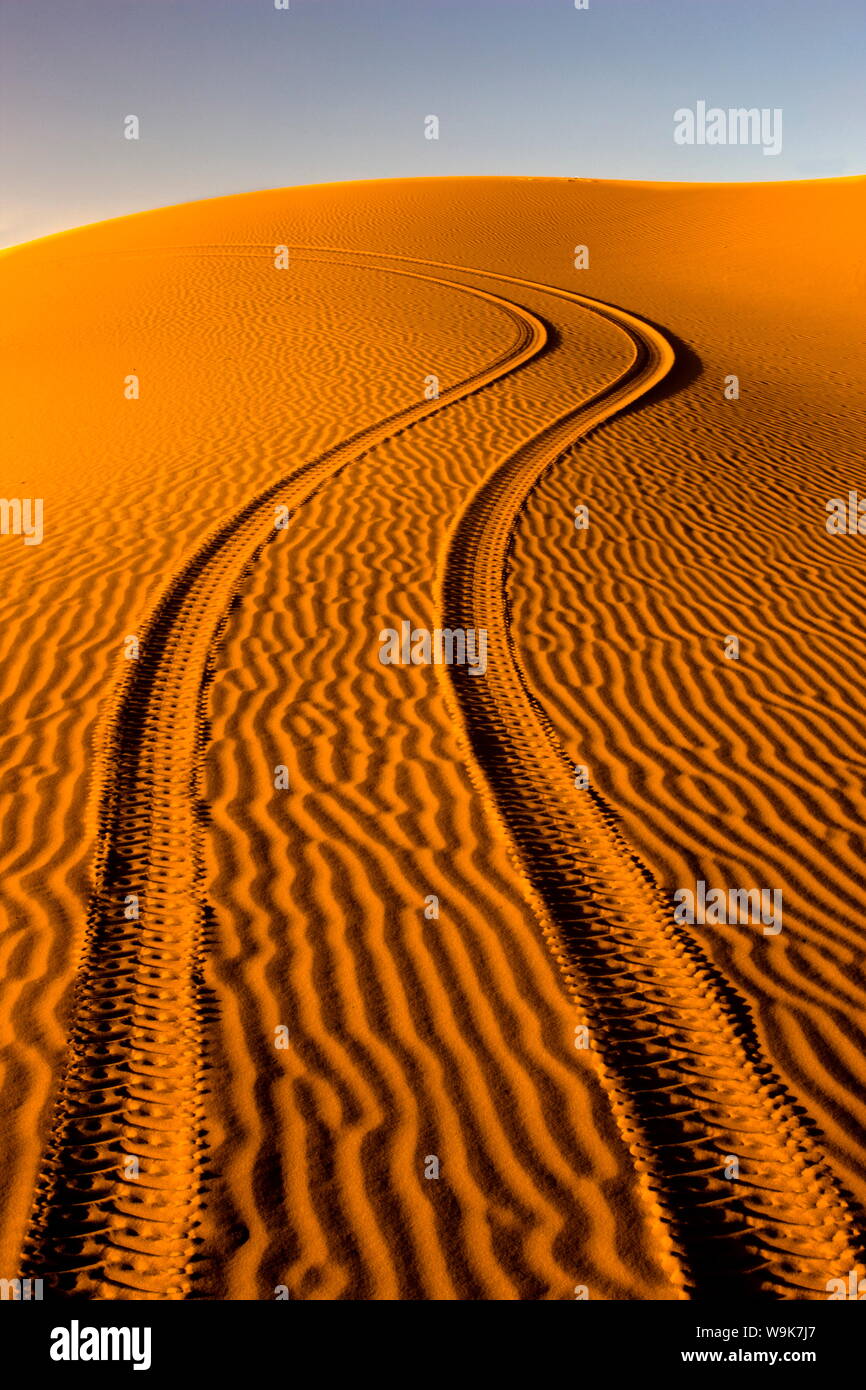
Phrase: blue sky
x=234 y=95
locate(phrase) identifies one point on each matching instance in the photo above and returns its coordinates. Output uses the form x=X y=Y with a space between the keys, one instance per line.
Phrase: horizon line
x=438 y=178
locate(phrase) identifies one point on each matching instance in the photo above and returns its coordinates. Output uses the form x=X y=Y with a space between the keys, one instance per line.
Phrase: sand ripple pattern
x=676 y=1047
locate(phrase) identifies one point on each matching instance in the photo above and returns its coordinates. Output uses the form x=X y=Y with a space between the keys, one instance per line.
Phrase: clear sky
x=234 y=95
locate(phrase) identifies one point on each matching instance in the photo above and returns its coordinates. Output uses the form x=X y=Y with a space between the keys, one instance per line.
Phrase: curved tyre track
x=116 y=1204
x=678 y=1050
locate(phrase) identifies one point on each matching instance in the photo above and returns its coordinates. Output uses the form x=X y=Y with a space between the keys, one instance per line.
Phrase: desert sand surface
x=298 y=949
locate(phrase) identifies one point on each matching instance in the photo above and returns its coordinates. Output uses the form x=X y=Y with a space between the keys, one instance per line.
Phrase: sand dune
x=157 y=1141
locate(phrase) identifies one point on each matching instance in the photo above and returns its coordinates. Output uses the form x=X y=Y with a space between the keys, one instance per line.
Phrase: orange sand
x=304 y=908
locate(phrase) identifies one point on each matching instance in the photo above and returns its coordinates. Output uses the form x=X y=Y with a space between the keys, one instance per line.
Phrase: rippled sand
x=286 y=808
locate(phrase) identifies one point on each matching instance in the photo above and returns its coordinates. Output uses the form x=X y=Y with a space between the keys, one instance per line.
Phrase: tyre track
x=122 y=1181
x=678 y=1050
